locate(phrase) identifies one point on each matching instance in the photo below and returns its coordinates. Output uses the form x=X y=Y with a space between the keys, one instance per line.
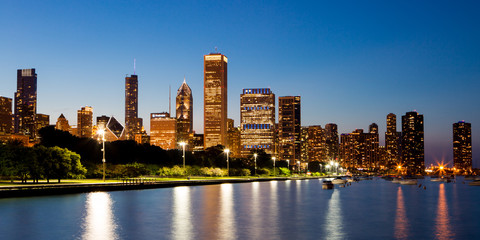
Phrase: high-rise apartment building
x=184 y=114
x=26 y=103
x=462 y=146
x=163 y=130
x=331 y=142
x=372 y=152
x=62 y=124
x=233 y=139
x=413 y=156
x=215 y=100
x=133 y=124
x=6 y=126
x=42 y=120
x=85 y=122
x=352 y=153
x=257 y=120
x=392 y=142
x=289 y=124
x=316 y=150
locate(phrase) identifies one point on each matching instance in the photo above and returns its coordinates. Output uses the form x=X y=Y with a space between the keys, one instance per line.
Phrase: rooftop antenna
x=134 y=63
x=169 y=99
x=184 y=78
x=216 y=51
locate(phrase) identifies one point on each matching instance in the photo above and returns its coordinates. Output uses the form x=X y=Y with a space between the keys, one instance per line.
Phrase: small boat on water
x=474 y=183
x=396 y=180
x=327 y=185
x=339 y=180
x=408 y=181
x=436 y=179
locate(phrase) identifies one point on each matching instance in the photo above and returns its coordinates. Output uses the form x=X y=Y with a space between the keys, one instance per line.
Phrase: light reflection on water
x=442 y=229
x=255 y=210
x=99 y=222
x=227 y=228
x=182 y=219
x=401 y=221
x=333 y=218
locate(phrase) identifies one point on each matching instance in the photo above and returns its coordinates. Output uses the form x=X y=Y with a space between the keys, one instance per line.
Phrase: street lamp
x=274 y=174
x=102 y=132
x=298 y=163
x=227 y=151
x=255 y=156
x=288 y=164
x=183 y=146
x=336 y=168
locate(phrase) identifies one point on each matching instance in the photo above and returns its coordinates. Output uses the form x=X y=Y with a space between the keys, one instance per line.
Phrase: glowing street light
x=183 y=146
x=227 y=151
x=102 y=132
x=255 y=156
x=274 y=174
x=298 y=163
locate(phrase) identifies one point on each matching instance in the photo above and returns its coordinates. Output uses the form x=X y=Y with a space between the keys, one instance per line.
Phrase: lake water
x=372 y=209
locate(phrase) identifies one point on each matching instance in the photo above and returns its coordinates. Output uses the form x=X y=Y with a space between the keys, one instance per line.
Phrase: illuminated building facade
x=215 y=100
x=62 y=124
x=6 y=126
x=26 y=103
x=316 y=144
x=42 y=120
x=331 y=142
x=304 y=144
x=233 y=139
x=353 y=149
x=163 y=130
x=133 y=124
x=198 y=142
x=413 y=156
x=85 y=122
x=257 y=120
x=289 y=123
x=114 y=130
x=462 y=146
x=392 y=142
x=184 y=114
x=372 y=151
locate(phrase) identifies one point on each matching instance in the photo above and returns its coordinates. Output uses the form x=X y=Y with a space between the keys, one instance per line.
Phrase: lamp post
x=255 y=157
x=336 y=168
x=183 y=146
x=274 y=174
x=227 y=151
x=298 y=166
x=288 y=164
x=102 y=132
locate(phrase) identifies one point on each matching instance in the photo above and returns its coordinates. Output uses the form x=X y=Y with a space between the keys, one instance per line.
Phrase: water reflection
x=99 y=221
x=255 y=211
x=401 y=222
x=273 y=216
x=182 y=219
x=442 y=227
x=227 y=228
x=334 y=222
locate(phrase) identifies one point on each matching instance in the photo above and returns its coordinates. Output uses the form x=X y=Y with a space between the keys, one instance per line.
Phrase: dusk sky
x=352 y=62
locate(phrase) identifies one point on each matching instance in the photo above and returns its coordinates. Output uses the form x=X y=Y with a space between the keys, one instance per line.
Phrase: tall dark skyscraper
x=26 y=103
x=462 y=146
x=413 y=150
x=6 y=126
x=331 y=141
x=392 y=142
x=184 y=114
x=132 y=123
x=257 y=120
x=289 y=124
x=215 y=100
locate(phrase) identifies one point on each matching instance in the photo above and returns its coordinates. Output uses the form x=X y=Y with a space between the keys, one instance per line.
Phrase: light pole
x=183 y=146
x=255 y=156
x=274 y=174
x=102 y=132
x=298 y=166
x=227 y=151
x=336 y=168
x=306 y=169
x=288 y=165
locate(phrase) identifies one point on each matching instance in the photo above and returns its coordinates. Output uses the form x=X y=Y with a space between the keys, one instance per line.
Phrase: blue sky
x=352 y=62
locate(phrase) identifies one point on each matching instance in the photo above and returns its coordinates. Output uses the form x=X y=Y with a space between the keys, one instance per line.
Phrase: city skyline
x=434 y=53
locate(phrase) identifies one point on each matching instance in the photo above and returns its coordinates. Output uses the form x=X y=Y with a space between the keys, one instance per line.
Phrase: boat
x=436 y=179
x=327 y=185
x=352 y=180
x=474 y=183
x=408 y=181
x=339 y=180
x=396 y=180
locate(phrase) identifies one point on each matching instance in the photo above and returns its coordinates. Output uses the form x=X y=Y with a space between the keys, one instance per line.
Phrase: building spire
x=183 y=78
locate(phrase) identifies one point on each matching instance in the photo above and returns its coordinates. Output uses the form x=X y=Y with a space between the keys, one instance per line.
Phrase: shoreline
x=60 y=189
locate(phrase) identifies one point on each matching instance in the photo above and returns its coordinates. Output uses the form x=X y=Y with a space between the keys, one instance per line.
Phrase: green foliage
x=284 y=171
x=263 y=171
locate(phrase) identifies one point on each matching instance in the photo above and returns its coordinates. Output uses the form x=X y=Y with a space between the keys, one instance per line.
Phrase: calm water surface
x=372 y=209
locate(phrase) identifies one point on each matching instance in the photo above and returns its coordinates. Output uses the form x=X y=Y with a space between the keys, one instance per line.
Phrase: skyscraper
x=353 y=154
x=331 y=141
x=163 y=130
x=257 y=120
x=289 y=124
x=316 y=144
x=413 y=156
x=42 y=120
x=85 y=122
x=372 y=147
x=233 y=139
x=62 y=124
x=184 y=114
x=132 y=123
x=215 y=100
x=6 y=126
x=26 y=103
x=392 y=142
x=462 y=146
